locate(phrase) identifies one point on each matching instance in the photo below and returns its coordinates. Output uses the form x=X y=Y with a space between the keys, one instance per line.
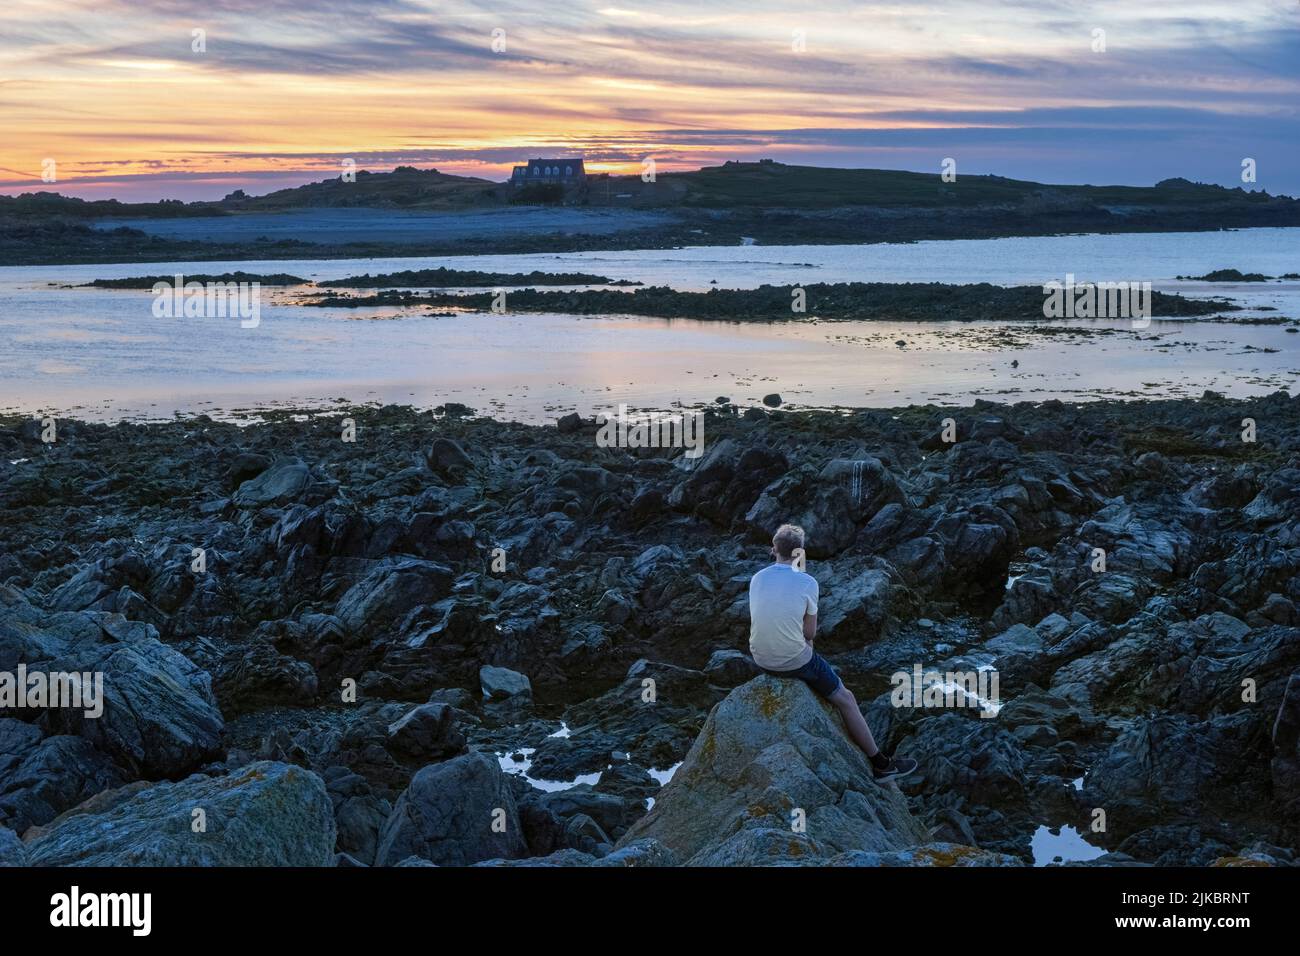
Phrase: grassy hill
x=733 y=185
x=50 y=206
x=765 y=202
x=737 y=185
x=404 y=188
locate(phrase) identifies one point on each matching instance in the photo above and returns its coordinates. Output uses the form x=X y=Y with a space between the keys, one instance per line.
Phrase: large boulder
x=727 y=481
x=1279 y=499
x=389 y=592
x=860 y=600
x=831 y=505
x=427 y=732
x=447 y=457
x=42 y=777
x=159 y=717
x=453 y=814
x=772 y=778
x=287 y=480
x=1170 y=766
x=501 y=685
x=263 y=814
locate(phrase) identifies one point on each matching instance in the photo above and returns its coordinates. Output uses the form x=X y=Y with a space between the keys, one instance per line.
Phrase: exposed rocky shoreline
x=875 y=301
x=441 y=277
x=349 y=674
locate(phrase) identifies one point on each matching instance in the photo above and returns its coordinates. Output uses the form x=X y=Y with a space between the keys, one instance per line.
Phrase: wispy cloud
x=114 y=90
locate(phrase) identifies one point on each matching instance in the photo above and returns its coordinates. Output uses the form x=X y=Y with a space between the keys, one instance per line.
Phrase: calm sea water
x=102 y=353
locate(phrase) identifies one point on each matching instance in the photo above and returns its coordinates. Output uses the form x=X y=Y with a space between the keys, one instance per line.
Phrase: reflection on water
x=102 y=353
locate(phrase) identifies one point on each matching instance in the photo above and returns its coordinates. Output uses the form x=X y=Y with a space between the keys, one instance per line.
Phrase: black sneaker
x=897 y=767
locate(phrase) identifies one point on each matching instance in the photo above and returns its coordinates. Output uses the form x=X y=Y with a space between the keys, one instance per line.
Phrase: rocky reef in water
x=460 y=641
x=838 y=301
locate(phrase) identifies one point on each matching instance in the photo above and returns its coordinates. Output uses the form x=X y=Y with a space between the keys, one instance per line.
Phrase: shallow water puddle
x=1067 y=846
x=663 y=776
x=520 y=768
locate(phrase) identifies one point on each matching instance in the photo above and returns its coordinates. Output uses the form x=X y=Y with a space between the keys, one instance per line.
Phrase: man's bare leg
x=859 y=732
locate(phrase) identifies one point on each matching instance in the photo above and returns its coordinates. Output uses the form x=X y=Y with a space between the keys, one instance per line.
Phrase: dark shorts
x=817 y=674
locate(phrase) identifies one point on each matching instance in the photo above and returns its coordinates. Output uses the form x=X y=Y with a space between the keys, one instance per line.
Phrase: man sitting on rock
x=782 y=625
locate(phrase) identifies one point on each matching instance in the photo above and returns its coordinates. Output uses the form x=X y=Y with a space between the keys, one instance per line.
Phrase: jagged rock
x=40 y=778
x=859 y=603
x=930 y=854
x=830 y=504
x=1017 y=639
x=1170 y=764
x=610 y=563
x=1286 y=745
x=12 y=851
x=772 y=748
x=728 y=668
x=507 y=694
x=245 y=467
x=1278 y=500
x=1034 y=707
x=637 y=853
x=501 y=683
x=264 y=814
x=447 y=457
x=388 y=593
x=453 y=814
x=427 y=732
x=613 y=814
x=727 y=481
x=971 y=757
x=159 y=716
x=583 y=833
x=359 y=814
x=283 y=482
x=255 y=676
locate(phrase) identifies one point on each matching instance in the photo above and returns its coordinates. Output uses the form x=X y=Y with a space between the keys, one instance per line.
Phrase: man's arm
x=810 y=612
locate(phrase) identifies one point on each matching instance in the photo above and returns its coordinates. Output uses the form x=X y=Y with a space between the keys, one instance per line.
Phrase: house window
x=568 y=170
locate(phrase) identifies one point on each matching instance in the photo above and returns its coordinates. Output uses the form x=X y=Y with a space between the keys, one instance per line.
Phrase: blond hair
x=788 y=537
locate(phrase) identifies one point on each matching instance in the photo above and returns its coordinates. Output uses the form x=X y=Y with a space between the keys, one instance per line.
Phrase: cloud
x=285 y=88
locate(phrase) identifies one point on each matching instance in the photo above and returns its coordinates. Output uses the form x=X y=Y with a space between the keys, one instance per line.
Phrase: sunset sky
x=113 y=92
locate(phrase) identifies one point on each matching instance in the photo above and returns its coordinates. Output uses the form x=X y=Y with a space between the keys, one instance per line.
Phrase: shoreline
x=373 y=560
x=128 y=246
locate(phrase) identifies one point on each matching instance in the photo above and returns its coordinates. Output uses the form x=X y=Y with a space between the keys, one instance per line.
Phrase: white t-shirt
x=779 y=597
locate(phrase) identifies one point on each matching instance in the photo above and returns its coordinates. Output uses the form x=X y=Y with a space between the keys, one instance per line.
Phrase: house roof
x=565 y=167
